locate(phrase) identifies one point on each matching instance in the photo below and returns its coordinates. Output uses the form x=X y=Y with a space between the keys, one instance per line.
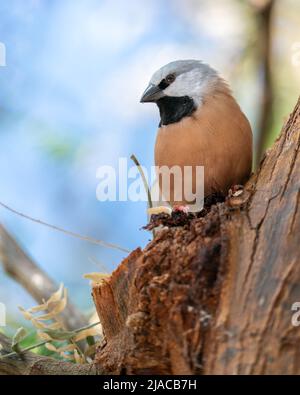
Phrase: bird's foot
x=177 y=208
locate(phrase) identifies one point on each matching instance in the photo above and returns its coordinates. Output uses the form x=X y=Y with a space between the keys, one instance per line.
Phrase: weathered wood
x=170 y=296
x=252 y=330
x=215 y=295
x=18 y=265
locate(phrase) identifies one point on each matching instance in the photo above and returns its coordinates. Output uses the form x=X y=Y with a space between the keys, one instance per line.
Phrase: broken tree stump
x=158 y=301
x=209 y=295
x=214 y=295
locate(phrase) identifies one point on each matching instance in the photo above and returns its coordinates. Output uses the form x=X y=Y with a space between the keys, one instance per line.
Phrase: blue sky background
x=69 y=103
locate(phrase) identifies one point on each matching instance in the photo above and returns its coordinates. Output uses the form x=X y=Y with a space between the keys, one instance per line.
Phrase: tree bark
x=214 y=296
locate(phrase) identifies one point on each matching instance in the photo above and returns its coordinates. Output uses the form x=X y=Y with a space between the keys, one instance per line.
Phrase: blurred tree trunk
x=264 y=12
x=19 y=266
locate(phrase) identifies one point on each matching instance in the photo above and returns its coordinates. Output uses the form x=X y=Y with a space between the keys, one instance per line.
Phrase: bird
x=201 y=124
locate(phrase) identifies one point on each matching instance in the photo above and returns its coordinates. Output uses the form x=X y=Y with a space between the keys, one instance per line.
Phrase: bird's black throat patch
x=172 y=109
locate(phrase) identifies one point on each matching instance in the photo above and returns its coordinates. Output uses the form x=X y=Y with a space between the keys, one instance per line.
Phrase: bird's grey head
x=179 y=88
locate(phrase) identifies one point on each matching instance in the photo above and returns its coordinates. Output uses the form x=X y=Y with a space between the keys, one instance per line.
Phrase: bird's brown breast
x=217 y=136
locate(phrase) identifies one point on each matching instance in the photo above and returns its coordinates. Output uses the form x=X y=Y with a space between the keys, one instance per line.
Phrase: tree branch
x=18 y=265
x=33 y=364
x=66 y=232
x=213 y=294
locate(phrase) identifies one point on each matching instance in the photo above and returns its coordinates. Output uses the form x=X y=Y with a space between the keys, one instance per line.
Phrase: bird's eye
x=170 y=78
x=167 y=81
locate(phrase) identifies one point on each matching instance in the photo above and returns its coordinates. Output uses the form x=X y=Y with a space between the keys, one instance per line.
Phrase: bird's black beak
x=151 y=94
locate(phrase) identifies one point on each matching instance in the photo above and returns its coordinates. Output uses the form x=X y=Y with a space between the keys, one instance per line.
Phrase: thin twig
x=140 y=169
x=67 y=232
x=146 y=186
